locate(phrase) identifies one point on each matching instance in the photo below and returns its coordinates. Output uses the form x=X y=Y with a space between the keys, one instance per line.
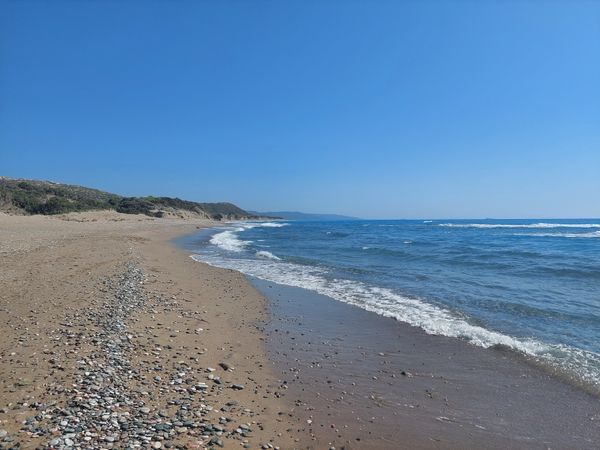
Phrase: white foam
x=512 y=225
x=433 y=319
x=228 y=240
x=592 y=234
x=272 y=224
x=267 y=255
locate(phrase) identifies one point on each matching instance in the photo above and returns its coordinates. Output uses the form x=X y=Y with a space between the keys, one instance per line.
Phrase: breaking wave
x=267 y=255
x=229 y=240
x=269 y=224
x=431 y=318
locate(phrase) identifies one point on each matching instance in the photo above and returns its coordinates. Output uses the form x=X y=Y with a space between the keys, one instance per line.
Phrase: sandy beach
x=349 y=225
x=113 y=337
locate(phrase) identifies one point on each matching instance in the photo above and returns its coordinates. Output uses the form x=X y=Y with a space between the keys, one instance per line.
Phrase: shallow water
x=533 y=285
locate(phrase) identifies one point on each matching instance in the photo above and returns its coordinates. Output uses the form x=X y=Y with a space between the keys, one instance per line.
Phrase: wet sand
x=363 y=381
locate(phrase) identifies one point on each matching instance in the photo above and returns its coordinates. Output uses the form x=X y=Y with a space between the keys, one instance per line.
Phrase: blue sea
x=532 y=285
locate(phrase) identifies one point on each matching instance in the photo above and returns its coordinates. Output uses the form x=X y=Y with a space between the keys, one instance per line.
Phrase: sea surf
x=529 y=285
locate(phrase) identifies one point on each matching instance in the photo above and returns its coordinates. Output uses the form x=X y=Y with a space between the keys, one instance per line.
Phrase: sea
x=530 y=285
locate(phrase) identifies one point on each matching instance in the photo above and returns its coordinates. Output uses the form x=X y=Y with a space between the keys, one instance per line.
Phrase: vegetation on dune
x=44 y=197
x=134 y=205
x=36 y=197
x=212 y=209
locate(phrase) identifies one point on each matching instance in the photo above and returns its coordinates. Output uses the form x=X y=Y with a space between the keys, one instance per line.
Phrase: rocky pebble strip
x=107 y=402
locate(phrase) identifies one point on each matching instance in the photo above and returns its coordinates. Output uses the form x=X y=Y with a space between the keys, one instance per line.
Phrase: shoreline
x=365 y=381
x=494 y=382
x=299 y=369
x=554 y=348
x=191 y=242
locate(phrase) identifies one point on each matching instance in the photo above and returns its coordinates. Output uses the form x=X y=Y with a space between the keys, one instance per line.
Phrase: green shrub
x=43 y=197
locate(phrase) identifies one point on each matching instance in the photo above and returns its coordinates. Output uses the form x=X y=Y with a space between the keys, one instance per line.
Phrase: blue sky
x=377 y=109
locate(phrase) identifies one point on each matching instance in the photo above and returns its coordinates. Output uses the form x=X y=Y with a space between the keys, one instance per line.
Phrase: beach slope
x=112 y=337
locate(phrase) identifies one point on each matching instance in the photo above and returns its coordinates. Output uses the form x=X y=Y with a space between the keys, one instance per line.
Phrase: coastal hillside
x=22 y=196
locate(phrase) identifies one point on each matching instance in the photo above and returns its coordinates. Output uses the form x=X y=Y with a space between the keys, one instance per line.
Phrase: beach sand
x=59 y=283
x=111 y=335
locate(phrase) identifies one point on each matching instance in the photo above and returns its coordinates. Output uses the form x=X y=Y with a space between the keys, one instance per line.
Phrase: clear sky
x=383 y=109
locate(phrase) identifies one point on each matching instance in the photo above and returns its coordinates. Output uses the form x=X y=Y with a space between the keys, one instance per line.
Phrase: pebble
x=106 y=405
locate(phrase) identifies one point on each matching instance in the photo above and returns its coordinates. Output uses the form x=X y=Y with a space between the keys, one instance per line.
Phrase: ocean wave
x=337 y=234
x=267 y=255
x=272 y=224
x=249 y=225
x=228 y=240
x=431 y=318
x=513 y=225
x=592 y=234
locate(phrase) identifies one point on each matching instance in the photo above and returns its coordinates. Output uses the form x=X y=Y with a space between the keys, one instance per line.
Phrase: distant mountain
x=45 y=197
x=295 y=215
